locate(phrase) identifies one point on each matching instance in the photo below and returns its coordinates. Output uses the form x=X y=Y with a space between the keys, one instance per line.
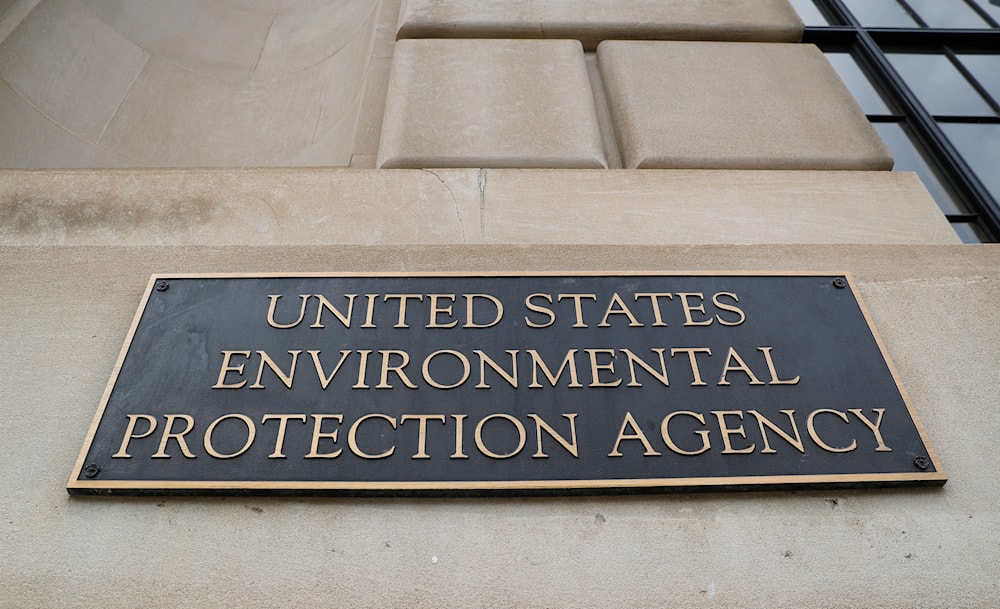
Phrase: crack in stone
x=274 y=213
x=454 y=200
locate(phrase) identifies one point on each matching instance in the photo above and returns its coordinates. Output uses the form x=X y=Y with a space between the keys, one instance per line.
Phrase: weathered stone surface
x=153 y=124
x=591 y=21
x=12 y=12
x=299 y=39
x=373 y=109
x=690 y=206
x=716 y=105
x=229 y=207
x=451 y=206
x=4 y=6
x=490 y=103
x=196 y=83
x=366 y=139
x=71 y=65
x=31 y=139
x=197 y=35
x=66 y=314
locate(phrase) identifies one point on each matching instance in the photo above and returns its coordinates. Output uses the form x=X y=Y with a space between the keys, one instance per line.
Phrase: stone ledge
x=591 y=21
x=450 y=206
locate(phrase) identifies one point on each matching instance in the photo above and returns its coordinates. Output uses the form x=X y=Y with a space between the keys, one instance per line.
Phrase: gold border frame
x=77 y=486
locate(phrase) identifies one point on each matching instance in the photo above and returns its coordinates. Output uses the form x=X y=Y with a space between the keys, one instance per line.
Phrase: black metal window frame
x=869 y=47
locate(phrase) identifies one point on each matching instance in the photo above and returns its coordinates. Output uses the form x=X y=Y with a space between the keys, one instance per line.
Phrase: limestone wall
x=520 y=135
x=66 y=313
x=146 y=83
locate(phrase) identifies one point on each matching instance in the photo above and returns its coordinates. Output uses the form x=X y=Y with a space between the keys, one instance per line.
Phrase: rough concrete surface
x=66 y=312
x=727 y=105
x=591 y=21
x=451 y=206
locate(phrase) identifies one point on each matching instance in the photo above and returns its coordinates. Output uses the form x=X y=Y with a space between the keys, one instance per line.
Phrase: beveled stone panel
x=591 y=21
x=490 y=103
x=716 y=105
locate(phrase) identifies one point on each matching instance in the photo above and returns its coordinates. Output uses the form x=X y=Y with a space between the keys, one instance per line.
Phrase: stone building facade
x=228 y=136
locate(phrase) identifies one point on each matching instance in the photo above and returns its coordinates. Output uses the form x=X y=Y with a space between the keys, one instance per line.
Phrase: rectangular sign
x=501 y=383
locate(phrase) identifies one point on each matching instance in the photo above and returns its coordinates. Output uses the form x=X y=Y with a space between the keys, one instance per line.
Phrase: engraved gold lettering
x=352 y=437
x=386 y=369
x=634 y=359
x=369 y=310
x=689 y=308
x=323 y=379
x=403 y=298
x=874 y=427
x=168 y=433
x=703 y=433
x=251 y=434
x=629 y=422
x=740 y=365
x=763 y=422
x=539 y=309
x=522 y=436
x=270 y=312
x=617 y=307
x=437 y=310
x=595 y=368
x=774 y=373
x=279 y=441
x=227 y=368
x=484 y=359
x=569 y=362
x=728 y=307
x=421 y=431
x=540 y=424
x=326 y=305
x=286 y=379
x=459 y=436
x=469 y=310
x=577 y=306
x=457 y=355
x=318 y=434
x=654 y=300
x=362 y=368
x=728 y=431
x=130 y=434
x=695 y=372
x=811 y=427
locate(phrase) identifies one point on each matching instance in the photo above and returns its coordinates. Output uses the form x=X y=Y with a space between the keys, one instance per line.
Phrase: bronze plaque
x=501 y=383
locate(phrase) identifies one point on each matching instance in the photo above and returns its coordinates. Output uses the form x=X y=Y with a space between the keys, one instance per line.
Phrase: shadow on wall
x=181 y=83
